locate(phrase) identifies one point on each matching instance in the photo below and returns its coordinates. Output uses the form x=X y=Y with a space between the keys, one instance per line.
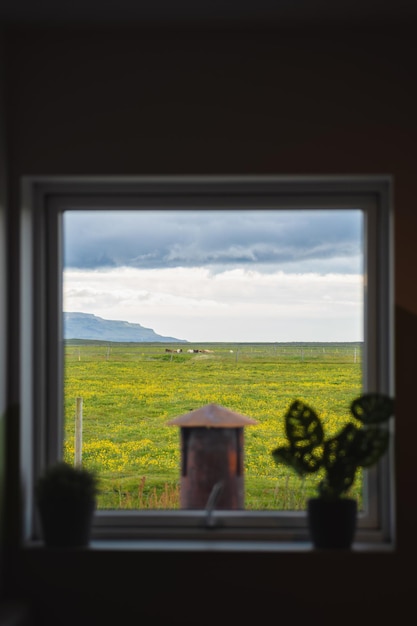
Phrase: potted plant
x=66 y=499
x=360 y=443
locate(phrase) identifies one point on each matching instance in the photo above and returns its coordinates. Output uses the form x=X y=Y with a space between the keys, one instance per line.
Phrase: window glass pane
x=166 y=311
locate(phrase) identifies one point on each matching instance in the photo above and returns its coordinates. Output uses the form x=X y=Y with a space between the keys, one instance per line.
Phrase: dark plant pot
x=66 y=524
x=332 y=523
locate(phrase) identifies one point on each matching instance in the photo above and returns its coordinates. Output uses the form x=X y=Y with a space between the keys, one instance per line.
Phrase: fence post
x=78 y=432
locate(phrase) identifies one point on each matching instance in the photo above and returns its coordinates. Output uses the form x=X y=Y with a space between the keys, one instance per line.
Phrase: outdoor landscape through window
x=167 y=311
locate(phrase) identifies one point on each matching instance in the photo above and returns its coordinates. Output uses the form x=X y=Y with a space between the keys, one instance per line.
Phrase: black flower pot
x=66 y=523
x=332 y=523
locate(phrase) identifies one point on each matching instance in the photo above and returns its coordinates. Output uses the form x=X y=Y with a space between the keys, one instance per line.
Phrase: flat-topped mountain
x=89 y=326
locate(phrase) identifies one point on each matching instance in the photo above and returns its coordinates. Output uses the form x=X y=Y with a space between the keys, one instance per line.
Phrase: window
x=49 y=202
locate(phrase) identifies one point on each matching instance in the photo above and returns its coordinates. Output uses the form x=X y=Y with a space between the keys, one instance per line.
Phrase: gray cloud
x=294 y=241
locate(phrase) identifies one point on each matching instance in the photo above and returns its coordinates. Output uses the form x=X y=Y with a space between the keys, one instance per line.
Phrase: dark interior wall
x=114 y=102
x=176 y=102
x=3 y=298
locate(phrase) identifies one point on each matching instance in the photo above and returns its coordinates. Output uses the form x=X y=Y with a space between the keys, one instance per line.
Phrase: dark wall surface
x=3 y=298
x=142 y=101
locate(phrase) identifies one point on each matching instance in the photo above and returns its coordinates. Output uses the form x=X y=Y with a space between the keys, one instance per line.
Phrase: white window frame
x=41 y=358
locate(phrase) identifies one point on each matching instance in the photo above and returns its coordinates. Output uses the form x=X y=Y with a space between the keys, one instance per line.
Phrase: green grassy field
x=131 y=391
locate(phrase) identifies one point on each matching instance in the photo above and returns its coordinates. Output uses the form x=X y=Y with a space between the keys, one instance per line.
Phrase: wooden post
x=78 y=432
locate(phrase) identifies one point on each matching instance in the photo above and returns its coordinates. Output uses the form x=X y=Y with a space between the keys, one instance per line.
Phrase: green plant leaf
x=302 y=461
x=286 y=456
x=339 y=447
x=372 y=408
x=303 y=427
x=340 y=462
x=369 y=445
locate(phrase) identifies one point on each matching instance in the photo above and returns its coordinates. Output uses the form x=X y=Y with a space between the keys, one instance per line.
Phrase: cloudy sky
x=234 y=276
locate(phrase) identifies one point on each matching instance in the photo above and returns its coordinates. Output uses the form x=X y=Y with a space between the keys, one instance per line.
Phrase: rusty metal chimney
x=212 y=457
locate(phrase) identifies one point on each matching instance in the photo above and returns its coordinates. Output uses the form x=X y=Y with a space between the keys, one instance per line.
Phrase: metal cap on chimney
x=212 y=416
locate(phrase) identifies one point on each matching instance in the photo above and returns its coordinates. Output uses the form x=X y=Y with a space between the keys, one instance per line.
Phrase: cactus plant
x=63 y=481
x=66 y=499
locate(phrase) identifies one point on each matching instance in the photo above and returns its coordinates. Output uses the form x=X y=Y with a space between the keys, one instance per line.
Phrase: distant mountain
x=88 y=326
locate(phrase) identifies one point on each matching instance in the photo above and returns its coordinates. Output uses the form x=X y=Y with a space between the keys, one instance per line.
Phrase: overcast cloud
x=219 y=275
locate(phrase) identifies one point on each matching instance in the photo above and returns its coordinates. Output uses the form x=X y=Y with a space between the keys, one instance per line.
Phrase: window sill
x=164 y=545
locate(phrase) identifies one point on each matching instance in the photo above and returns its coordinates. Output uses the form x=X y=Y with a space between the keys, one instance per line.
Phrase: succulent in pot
x=360 y=443
x=66 y=499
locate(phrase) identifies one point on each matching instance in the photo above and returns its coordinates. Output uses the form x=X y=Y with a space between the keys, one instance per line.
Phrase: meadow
x=130 y=391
